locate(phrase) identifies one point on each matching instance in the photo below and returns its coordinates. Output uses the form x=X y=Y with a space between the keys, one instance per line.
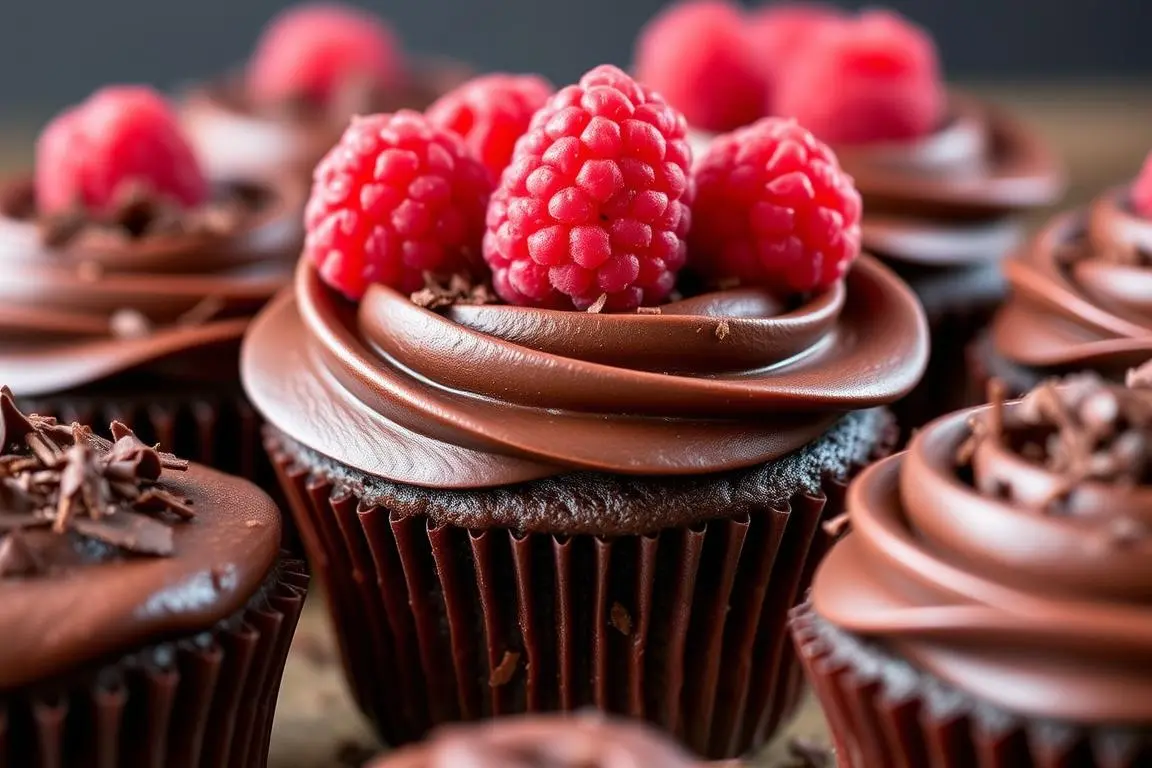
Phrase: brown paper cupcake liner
x=883 y=712
x=205 y=701
x=683 y=627
x=220 y=430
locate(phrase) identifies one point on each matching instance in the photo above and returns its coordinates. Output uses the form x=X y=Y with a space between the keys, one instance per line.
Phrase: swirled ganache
x=1081 y=298
x=122 y=567
x=996 y=577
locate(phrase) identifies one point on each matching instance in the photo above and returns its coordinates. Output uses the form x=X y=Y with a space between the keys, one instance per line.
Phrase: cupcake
x=589 y=484
x=580 y=741
x=315 y=66
x=947 y=180
x=145 y=611
x=990 y=606
x=130 y=278
x=1076 y=296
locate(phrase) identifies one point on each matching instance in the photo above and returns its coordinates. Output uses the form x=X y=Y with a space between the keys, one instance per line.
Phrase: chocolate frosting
x=106 y=303
x=1081 y=292
x=543 y=741
x=111 y=583
x=1008 y=554
x=488 y=395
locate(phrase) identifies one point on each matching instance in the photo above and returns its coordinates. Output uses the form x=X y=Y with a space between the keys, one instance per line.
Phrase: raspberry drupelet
x=121 y=140
x=396 y=200
x=774 y=208
x=595 y=203
x=1140 y=194
x=491 y=112
x=873 y=78
x=697 y=55
x=310 y=51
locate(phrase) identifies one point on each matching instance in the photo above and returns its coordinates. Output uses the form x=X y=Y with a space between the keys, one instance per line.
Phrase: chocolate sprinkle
x=65 y=481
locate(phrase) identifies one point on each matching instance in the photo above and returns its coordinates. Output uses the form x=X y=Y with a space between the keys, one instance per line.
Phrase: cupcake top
x=1007 y=552
x=107 y=546
x=314 y=66
x=543 y=741
x=942 y=174
x=595 y=349
x=1082 y=289
x=120 y=256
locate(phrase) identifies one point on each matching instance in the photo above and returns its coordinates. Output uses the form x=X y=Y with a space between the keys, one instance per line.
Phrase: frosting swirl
x=1021 y=576
x=487 y=395
x=581 y=741
x=105 y=303
x=955 y=197
x=1081 y=292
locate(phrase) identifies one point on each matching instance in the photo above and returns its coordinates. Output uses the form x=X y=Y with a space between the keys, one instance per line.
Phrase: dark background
x=53 y=52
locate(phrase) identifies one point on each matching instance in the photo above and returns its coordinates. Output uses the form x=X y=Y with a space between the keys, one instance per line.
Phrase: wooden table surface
x=1101 y=131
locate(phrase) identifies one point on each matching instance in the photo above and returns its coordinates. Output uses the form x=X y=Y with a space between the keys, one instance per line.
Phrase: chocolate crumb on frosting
x=69 y=496
x=458 y=290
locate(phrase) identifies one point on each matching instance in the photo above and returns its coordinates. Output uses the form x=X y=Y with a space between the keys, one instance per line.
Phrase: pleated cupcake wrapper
x=209 y=704
x=222 y=431
x=873 y=725
x=684 y=627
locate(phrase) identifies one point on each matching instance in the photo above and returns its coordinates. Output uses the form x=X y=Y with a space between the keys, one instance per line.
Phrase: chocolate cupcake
x=947 y=180
x=145 y=612
x=315 y=66
x=129 y=280
x=990 y=606
x=1079 y=298
x=523 y=507
x=579 y=741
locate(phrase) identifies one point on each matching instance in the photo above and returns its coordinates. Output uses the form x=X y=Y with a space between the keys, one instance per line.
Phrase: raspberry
x=876 y=78
x=121 y=138
x=491 y=113
x=397 y=198
x=595 y=202
x=1140 y=194
x=780 y=32
x=697 y=55
x=774 y=208
x=310 y=51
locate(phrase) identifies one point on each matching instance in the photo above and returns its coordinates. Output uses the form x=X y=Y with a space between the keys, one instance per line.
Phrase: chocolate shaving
x=648 y=310
x=458 y=290
x=206 y=309
x=621 y=620
x=68 y=482
x=504 y=671
x=837 y=526
x=598 y=306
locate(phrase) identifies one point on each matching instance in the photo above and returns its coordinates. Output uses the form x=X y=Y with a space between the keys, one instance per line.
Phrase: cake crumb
x=648 y=310
x=504 y=671
x=621 y=620
x=723 y=330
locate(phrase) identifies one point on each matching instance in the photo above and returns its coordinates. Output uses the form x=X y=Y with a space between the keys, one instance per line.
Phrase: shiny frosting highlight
x=487 y=395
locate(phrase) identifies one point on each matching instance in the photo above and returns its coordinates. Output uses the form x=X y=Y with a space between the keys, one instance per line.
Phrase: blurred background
x=53 y=52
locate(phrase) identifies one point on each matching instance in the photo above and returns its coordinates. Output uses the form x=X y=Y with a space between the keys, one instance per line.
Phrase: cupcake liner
x=217 y=429
x=883 y=712
x=207 y=700
x=684 y=627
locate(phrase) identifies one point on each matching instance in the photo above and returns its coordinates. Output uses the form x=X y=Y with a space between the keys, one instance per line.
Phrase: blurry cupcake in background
x=1081 y=296
x=145 y=609
x=947 y=180
x=586 y=740
x=538 y=464
x=314 y=66
x=990 y=606
x=130 y=277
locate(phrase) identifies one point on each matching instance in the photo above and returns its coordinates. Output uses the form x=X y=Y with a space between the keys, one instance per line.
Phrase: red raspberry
x=595 y=202
x=780 y=32
x=121 y=137
x=491 y=113
x=1141 y=191
x=698 y=56
x=311 y=50
x=395 y=199
x=876 y=78
x=774 y=208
